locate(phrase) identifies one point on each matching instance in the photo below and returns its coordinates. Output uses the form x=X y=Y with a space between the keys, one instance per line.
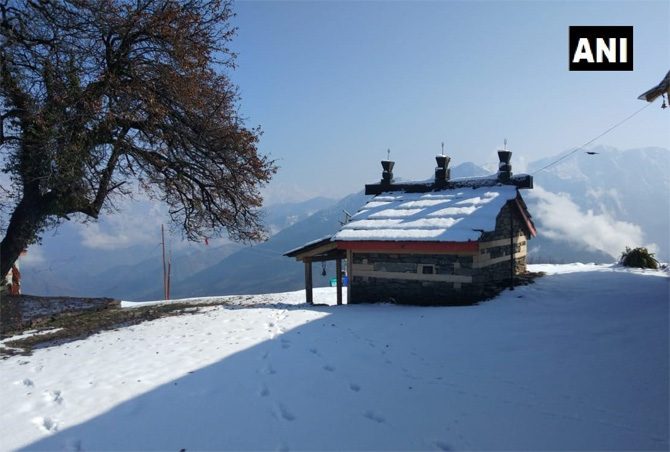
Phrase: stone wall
x=442 y=279
x=18 y=312
x=425 y=279
x=495 y=246
x=11 y=315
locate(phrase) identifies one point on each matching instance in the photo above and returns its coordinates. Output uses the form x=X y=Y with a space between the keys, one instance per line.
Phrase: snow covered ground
x=576 y=361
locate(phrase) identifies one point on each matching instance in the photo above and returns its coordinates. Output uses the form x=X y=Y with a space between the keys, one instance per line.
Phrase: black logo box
x=592 y=33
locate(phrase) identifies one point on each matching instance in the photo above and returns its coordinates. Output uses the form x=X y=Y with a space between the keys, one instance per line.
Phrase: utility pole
x=166 y=274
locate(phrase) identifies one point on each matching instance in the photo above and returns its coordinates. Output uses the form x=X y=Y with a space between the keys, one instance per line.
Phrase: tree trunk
x=23 y=225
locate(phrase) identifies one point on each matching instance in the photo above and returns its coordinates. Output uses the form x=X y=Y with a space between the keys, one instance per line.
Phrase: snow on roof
x=454 y=215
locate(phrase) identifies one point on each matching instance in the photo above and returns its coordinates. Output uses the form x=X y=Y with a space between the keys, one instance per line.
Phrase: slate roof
x=450 y=215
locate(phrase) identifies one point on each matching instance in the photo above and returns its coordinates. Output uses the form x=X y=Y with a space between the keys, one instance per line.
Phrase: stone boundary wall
x=28 y=311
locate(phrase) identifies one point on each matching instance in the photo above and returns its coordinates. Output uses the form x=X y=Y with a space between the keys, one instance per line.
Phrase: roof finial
x=443 y=148
x=388 y=154
x=505 y=144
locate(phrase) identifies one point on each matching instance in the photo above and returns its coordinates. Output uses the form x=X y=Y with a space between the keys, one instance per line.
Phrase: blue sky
x=333 y=84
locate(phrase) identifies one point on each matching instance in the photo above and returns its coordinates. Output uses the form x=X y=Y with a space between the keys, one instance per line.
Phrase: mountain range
x=588 y=205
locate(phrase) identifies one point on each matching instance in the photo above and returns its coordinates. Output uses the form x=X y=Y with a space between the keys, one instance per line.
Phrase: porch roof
x=323 y=249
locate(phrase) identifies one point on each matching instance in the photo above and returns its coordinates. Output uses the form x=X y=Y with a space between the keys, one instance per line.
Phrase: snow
x=312 y=242
x=576 y=361
x=453 y=215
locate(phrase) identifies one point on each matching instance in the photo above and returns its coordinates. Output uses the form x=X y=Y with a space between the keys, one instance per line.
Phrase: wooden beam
x=511 y=244
x=308 y=282
x=415 y=276
x=526 y=219
x=350 y=260
x=411 y=247
x=323 y=258
x=338 y=275
x=312 y=250
x=484 y=260
x=502 y=242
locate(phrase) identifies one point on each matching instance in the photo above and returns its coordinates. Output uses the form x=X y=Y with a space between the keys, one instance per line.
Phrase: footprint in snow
x=264 y=391
x=285 y=343
x=441 y=445
x=268 y=370
x=354 y=387
x=329 y=368
x=27 y=382
x=73 y=445
x=282 y=412
x=53 y=397
x=369 y=414
x=46 y=424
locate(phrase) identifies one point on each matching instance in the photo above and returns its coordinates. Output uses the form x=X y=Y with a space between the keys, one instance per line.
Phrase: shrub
x=638 y=257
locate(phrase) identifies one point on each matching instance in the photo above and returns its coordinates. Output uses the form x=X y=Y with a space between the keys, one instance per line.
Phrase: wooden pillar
x=511 y=245
x=338 y=276
x=350 y=275
x=308 y=281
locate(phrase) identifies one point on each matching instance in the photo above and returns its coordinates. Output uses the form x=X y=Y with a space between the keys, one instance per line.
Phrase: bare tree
x=101 y=96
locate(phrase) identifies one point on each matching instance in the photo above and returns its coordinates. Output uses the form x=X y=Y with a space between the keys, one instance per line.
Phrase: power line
x=131 y=269
x=54 y=265
x=594 y=139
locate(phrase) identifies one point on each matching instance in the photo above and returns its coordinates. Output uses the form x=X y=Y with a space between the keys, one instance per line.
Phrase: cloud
x=137 y=224
x=35 y=255
x=561 y=219
x=608 y=199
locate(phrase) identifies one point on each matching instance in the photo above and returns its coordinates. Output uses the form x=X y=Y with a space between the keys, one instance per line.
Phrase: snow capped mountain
x=65 y=265
x=263 y=268
x=587 y=207
x=592 y=204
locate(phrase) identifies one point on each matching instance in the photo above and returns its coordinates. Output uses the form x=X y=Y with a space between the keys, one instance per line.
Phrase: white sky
x=334 y=84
